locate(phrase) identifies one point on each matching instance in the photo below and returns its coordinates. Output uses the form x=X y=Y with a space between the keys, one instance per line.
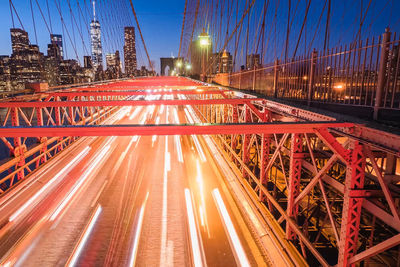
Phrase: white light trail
x=199 y=149
x=166 y=116
x=176 y=116
x=164 y=218
x=135 y=112
x=137 y=233
x=153 y=139
x=234 y=238
x=194 y=238
x=178 y=147
x=109 y=141
x=162 y=109
x=189 y=118
x=202 y=206
x=55 y=178
x=73 y=259
x=80 y=182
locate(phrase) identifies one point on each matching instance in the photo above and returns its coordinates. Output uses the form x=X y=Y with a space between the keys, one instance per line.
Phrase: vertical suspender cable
x=141 y=36
x=48 y=12
x=183 y=27
x=33 y=21
x=288 y=30
x=302 y=27
x=12 y=15
x=194 y=26
x=328 y=16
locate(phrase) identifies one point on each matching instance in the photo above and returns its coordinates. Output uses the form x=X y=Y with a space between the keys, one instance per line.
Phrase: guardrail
x=364 y=74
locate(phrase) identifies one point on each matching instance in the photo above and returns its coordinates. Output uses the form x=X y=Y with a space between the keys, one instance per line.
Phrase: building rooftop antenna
x=94 y=10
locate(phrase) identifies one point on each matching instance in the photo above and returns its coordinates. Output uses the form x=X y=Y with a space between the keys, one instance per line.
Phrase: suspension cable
x=141 y=36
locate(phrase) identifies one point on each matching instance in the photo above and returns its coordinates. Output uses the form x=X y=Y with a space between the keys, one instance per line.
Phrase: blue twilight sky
x=161 y=23
x=160 y=20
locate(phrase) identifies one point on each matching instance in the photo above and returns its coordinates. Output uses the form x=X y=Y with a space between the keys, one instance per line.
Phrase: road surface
x=125 y=201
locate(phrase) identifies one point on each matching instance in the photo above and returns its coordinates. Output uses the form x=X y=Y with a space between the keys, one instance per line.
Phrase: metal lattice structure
x=327 y=188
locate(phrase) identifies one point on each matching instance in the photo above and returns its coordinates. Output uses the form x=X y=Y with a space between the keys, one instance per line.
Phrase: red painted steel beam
x=113 y=103
x=171 y=129
x=137 y=92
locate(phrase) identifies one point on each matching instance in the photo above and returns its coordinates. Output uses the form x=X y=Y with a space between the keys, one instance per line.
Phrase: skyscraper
x=130 y=51
x=19 y=40
x=95 y=37
x=56 y=39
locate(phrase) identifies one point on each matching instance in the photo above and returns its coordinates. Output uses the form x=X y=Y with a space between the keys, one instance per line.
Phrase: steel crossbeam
x=136 y=93
x=115 y=103
x=186 y=129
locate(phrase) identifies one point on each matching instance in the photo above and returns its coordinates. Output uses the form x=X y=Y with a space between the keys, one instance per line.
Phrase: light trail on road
x=158 y=202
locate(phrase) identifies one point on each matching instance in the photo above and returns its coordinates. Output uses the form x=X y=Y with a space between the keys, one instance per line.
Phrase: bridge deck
x=236 y=179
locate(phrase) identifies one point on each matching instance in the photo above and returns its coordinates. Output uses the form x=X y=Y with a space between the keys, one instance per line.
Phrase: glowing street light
x=204 y=39
x=179 y=64
x=188 y=67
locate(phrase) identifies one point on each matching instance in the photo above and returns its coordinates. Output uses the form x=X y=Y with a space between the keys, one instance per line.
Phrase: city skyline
x=160 y=9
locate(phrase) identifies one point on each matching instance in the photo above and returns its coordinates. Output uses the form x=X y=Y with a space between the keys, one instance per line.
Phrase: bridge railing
x=364 y=74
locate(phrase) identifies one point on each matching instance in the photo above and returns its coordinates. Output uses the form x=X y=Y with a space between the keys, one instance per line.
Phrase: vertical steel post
x=43 y=140
x=254 y=77
x=265 y=145
x=312 y=77
x=57 y=116
x=352 y=204
x=382 y=72
x=296 y=149
x=276 y=76
x=235 y=119
x=246 y=142
x=18 y=148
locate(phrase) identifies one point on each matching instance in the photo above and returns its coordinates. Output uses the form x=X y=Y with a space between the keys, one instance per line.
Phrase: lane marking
x=194 y=238
x=240 y=255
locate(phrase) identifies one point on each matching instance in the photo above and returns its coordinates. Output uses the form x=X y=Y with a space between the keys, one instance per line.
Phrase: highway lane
x=126 y=201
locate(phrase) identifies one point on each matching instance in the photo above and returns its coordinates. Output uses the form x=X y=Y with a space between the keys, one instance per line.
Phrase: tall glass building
x=95 y=37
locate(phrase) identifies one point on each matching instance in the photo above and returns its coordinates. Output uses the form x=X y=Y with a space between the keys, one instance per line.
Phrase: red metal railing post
x=235 y=119
x=312 y=77
x=43 y=140
x=18 y=147
x=57 y=116
x=382 y=72
x=296 y=157
x=265 y=145
x=254 y=77
x=352 y=204
x=246 y=142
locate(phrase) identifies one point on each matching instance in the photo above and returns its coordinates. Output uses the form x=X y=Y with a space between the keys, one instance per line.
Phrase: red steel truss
x=328 y=189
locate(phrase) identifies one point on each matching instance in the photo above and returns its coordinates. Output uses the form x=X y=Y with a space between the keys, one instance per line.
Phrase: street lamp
x=204 y=40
